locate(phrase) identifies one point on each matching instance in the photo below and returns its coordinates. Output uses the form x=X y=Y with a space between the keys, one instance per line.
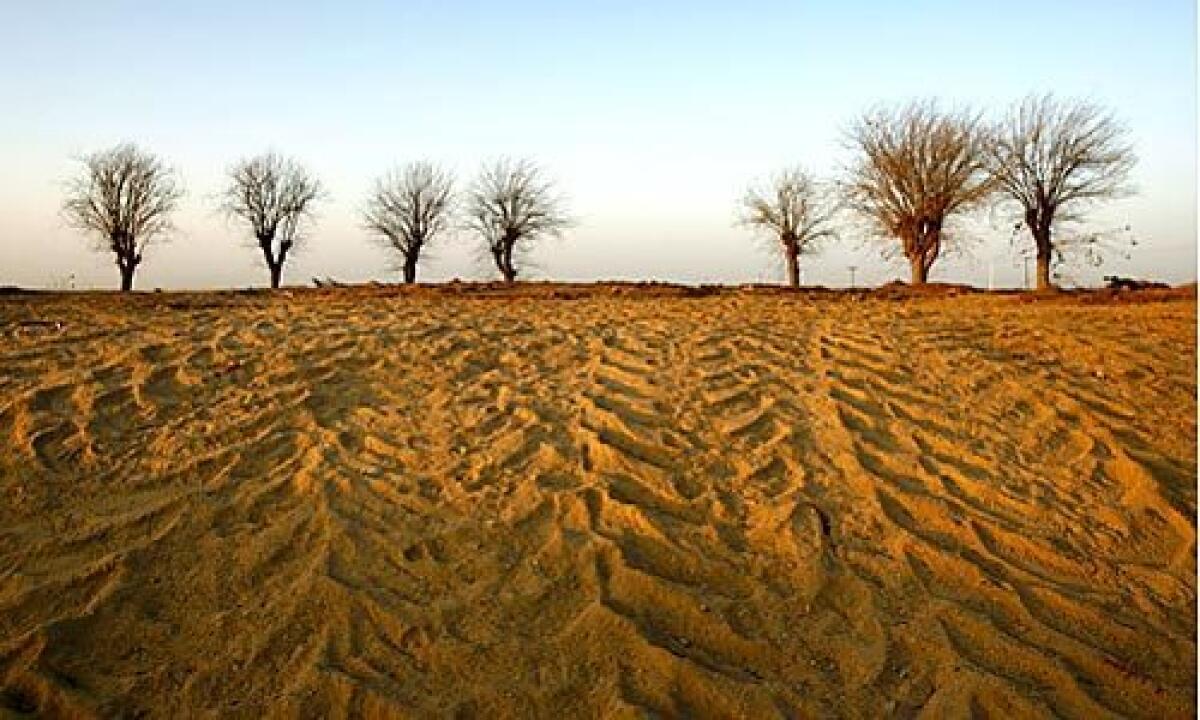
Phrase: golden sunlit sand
x=598 y=501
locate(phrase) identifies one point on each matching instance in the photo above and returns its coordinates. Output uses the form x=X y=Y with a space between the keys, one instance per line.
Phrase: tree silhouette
x=124 y=198
x=275 y=196
x=795 y=210
x=510 y=207
x=1053 y=159
x=914 y=168
x=407 y=209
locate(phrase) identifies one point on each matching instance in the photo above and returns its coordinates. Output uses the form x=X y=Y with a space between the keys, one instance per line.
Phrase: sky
x=651 y=119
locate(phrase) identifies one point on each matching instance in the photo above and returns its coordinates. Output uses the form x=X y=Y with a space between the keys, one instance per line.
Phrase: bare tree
x=1053 y=159
x=795 y=210
x=511 y=207
x=408 y=208
x=915 y=167
x=276 y=197
x=124 y=198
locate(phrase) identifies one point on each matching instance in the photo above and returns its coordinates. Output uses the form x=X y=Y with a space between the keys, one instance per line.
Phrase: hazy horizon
x=652 y=122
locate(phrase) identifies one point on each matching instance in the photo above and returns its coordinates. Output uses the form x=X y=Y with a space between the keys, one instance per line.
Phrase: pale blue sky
x=652 y=117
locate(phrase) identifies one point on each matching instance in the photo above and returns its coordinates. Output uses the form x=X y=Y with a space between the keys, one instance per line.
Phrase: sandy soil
x=597 y=502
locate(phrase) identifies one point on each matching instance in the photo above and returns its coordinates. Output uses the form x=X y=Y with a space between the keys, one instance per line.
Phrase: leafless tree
x=124 y=198
x=1053 y=159
x=408 y=208
x=510 y=206
x=276 y=196
x=795 y=210
x=914 y=168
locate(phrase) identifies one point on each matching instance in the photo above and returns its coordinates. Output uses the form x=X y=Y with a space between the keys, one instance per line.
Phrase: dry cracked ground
x=607 y=501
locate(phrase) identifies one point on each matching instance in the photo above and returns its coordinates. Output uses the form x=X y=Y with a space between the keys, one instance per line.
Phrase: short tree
x=1053 y=159
x=914 y=168
x=510 y=207
x=797 y=213
x=407 y=209
x=124 y=199
x=276 y=197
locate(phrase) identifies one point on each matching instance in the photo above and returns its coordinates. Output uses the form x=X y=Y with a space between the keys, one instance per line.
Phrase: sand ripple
x=745 y=504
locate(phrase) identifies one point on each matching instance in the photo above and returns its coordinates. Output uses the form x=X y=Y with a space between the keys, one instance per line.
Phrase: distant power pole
x=1025 y=258
x=852 y=269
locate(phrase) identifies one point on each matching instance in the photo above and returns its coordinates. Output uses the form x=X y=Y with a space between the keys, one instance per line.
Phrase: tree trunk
x=1045 y=252
x=923 y=249
x=126 y=278
x=920 y=271
x=274 y=260
x=506 y=266
x=1043 y=272
x=793 y=266
x=410 y=270
x=1038 y=219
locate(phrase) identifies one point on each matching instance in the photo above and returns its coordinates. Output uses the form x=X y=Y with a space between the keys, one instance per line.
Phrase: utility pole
x=1025 y=258
x=852 y=269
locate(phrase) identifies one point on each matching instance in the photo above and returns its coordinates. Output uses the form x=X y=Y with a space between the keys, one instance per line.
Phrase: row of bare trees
x=125 y=198
x=917 y=168
x=509 y=207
